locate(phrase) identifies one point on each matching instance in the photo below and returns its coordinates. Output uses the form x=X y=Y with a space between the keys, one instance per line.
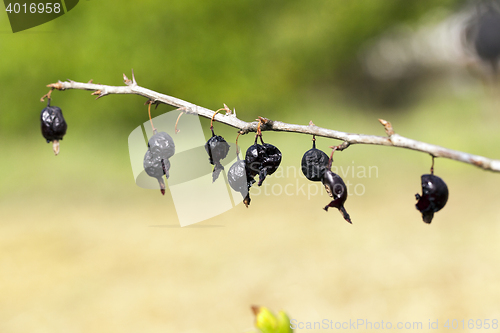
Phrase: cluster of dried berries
x=217 y=149
x=262 y=160
x=156 y=160
x=53 y=125
x=434 y=196
x=316 y=166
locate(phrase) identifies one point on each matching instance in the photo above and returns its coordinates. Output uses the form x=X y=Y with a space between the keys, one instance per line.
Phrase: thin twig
x=393 y=139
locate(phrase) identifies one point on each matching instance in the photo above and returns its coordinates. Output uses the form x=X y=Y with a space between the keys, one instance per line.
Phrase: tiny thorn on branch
x=228 y=110
x=134 y=82
x=388 y=127
x=127 y=81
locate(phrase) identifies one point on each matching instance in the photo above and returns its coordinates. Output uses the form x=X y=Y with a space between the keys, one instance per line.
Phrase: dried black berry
x=270 y=163
x=237 y=179
x=156 y=160
x=336 y=189
x=253 y=161
x=53 y=125
x=314 y=164
x=217 y=149
x=434 y=196
x=262 y=160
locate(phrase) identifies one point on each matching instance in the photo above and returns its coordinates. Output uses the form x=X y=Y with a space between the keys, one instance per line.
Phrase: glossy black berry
x=434 y=196
x=237 y=179
x=253 y=161
x=262 y=160
x=53 y=124
x=270 y=163
x=336 y=189
x=217 y=149
x=314 y=164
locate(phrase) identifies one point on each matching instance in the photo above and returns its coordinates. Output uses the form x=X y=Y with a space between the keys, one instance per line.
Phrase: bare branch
x=230 y=119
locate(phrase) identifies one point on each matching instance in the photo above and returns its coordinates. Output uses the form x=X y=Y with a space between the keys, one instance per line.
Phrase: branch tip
x=58 y=86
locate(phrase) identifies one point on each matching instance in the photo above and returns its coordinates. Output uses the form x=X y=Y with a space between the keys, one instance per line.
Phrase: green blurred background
x=83 y=249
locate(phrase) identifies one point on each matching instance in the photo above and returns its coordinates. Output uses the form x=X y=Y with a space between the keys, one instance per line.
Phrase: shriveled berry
x=156 y=160
x=155 y=166
x=217 y=149
x=161 y=144
x=336 y=189
x=53 y=124
x=314 y=164
x=237 y=179
x=270 y=162
x=434 y=196
x=253 y=161
x=262 y=160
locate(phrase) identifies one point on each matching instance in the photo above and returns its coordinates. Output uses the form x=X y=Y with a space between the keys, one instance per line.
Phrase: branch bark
x=230 y=119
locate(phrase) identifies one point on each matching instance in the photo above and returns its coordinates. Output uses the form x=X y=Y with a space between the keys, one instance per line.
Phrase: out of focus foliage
x=257 y=56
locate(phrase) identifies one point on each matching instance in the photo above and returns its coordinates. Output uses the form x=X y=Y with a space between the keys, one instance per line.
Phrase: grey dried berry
x=434 y=196
x=155 y=166
x=161 y=144
x=156 y=160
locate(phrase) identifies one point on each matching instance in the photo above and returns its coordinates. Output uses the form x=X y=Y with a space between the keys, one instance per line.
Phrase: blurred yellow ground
x=85 y=250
